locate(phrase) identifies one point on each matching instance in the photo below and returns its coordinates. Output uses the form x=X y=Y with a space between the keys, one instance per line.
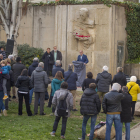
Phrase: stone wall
x=104 y=29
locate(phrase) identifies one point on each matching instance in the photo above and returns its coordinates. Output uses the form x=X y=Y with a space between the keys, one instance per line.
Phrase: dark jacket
x=32 y=67
x=103 y=81
x=90 y=102
x=12 y=63
x=87 y=82
x=48 y=60
x=1 y=80
x=10 y=82
x=126 y=108
x=56 y=69
x=84 y=58
x=71 y=80
x=17 y=69
x=24 y=84
x=112 y=101
x=4 y=54
x=120 y=78
x=59 y=55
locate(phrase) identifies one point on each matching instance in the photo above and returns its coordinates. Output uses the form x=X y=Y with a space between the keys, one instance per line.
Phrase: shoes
x=35 y=114
x=14 y=97
x=5 y=97
x=43 y=114
x=52 y=134
x=4 y=112
x=74 y=110
x=62 y=137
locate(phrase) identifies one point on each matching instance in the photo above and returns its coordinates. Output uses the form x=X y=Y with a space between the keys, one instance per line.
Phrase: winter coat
x=90 y=102
x=103 y=81
x=120 y=78
x=56 y=69
x=17 y=69
x=1 y=80
x=32 y=67
x=48 y=60
x=84 y=58
x=112 y=101
x=134 y=90
x=10 y=82
x=6 y=69
x=40 y=80
x=24 y=84
x=4 y=54
x=55 y=85
x=60 y=95
x=59 y=55
x=126 y=108
x=87 y=82
x=71 y=80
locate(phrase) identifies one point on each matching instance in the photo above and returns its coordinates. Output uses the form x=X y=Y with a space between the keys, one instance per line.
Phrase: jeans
x=30 y=95
x=2 y=107
x=109 y=120
x=127 y=129
x=93 y=121
x=64 y=122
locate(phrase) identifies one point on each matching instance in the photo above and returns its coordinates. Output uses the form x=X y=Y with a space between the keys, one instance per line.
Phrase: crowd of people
x=118 y=103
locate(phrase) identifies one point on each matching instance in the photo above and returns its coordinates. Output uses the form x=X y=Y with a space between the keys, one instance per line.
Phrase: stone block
x=137 y=109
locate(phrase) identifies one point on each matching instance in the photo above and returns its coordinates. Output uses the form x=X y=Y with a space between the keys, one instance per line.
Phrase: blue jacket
x=6 y=69
x=71 y=80
x=55 y=85
x=56 y=69
x=84 y=58
x=32 y=67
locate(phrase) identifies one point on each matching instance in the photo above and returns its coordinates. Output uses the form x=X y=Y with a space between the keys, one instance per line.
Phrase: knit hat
x=105 y=68
x=18 y=59
x=116 y=86
x=133 y=79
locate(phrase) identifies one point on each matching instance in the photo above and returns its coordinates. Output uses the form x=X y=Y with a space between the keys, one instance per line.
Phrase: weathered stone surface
x=137 y=109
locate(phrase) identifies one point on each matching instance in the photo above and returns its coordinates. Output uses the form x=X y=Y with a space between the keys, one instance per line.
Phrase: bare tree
x=10 y=14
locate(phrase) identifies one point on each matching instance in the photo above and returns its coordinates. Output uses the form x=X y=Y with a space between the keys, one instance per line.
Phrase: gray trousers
x=7 y=100
x=38 y=95
x=4 y=85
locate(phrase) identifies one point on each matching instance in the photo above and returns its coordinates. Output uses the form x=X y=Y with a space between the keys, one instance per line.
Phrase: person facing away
x=57 y=68
x=3 y=53
x=112 y=107
x=120 y=77
x=90 y=106
x=24 y=84
x=103 y=81
x=126 y=113
x=82 y=57
x=58 y=97
x=40 y=81
x=71 y=77
x=87 y=81
x=11 y=57
x=133 y=89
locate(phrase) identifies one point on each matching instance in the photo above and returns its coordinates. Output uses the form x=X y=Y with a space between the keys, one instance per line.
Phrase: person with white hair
x=103 y=81
x=112 y=107
x=11 y=57
x=133 y=89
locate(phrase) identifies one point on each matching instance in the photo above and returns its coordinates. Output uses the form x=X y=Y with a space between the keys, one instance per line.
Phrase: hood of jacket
x=39 y=69
x=62 y=94
x=105 y=74
x=24 y=78
x=35 y=64
x=132 y=83
x=57 y=81
x=89 y=91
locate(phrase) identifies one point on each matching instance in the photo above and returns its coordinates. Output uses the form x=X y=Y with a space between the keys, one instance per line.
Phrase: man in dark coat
x=57 y=68
x=90 y=107
x=3 y=53
x=48 y=60
x=71 y=77
x=126 y=112
x=120 y=78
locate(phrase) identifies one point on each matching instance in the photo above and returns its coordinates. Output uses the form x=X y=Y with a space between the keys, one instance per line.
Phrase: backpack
x=62 y=110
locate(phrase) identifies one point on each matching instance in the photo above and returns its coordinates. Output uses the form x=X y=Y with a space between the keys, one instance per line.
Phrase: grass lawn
x=14 y=127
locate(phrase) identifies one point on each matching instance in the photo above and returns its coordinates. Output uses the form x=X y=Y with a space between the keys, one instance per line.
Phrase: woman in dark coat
x=48 y=60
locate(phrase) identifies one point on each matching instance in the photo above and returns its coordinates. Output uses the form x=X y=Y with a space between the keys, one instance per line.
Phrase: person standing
x=83 y=58
x=1 y=57
x=3 y=53
x=133 y=89
x=126 y=112
x=48 y=60
x=103 y=81
x=40 y=82
x=112 y=107
x=90 y=106
x=71 y=77
x=24 y=84
x=58 y=96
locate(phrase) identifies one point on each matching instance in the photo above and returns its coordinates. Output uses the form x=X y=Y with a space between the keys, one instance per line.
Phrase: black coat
x=59 y=55
x=10 y=82
x=48 y=60
x=126 y=108
x=90 y=102
x=17 y=69
x=32 y=67
x=120 y=79
x=24 y=84
x=56 y=69
x=87 y=82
